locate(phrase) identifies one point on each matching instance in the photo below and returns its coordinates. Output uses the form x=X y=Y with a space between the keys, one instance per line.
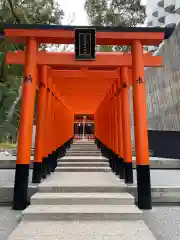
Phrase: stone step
x=84 y=146
x=88 y=149
x=81 y=212
x=82 y=182
x=91 y=145
x=83 y=159
x=83 y=153
x=83 y=169
x=83 y=142
x=83 y=164
x=87 y=230
x=105 y=161
x=81 y=189
x=82 y=199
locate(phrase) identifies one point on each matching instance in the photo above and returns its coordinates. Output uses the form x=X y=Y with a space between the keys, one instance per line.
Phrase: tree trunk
x=13 y=106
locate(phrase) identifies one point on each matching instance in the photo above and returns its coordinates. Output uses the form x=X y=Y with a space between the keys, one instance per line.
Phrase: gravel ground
x=164 y=222
x=9 y=219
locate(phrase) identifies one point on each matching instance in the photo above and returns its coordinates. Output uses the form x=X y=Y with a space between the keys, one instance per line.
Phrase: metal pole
x=84 y=117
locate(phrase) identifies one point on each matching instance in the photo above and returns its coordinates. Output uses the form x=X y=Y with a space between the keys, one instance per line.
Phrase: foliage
x=120 y=13
x=7 y=145
x=30 y=11
x=19 y=12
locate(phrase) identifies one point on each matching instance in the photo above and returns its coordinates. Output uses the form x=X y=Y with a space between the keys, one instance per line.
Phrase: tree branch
x=18 y=13
x=17 y=19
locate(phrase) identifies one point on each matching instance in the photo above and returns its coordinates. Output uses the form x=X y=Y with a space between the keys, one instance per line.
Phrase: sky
x=76 y=8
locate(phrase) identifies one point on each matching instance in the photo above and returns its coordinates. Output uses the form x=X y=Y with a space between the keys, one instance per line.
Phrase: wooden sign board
x=85 y=44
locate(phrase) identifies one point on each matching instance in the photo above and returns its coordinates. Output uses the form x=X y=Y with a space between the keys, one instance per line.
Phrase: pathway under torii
x=68 y=87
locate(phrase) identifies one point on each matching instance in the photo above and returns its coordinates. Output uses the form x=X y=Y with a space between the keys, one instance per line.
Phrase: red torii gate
x=136 y=37
x=85 y=78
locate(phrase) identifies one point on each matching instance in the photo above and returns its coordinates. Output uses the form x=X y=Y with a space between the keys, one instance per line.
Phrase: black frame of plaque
x=85 y=43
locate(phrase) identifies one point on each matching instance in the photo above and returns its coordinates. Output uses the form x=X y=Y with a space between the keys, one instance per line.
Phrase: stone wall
x=163 y=87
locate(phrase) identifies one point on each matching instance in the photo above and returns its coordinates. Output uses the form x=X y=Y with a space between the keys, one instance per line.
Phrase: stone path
x=165 y=183
x=99 y=230
x=82 y=205
x=9 y=162
x=9 y=219
x=164 y=222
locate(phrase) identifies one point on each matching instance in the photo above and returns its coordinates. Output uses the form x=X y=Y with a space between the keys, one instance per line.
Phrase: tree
x=30 y=11
x=15 y=12
x=120 y=13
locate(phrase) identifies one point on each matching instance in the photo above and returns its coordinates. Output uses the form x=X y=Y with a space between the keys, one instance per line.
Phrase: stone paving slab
x=161 y=194
x=163 y=177
x=81 y=212
x=80 y=143
x=81 y=147
x=83 y=151
x=82 y=182
x=99 y=230
x=7 y=185
x=85 y=157
x=165 y=184
x=164 y=222
x=9 y=219
x=83 y=169
x=7 y=177
x=82 y=199
x=83 y=154
x=83 y=164
x=6 y=193
x=9 y=162
x=161 y=163
x=82 y=179
x=87 y=148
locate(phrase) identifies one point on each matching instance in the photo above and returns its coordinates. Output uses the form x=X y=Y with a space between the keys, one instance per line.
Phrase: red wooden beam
x=104 y=36
x=79 y=74
x=67 y=59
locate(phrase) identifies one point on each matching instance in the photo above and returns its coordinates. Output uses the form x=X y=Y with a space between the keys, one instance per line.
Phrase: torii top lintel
x=60 y=34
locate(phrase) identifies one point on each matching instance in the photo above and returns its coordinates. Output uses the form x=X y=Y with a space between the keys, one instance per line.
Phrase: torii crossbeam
x=67 y=60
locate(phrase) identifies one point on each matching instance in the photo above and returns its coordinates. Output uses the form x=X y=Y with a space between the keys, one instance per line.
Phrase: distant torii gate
x=136 y=37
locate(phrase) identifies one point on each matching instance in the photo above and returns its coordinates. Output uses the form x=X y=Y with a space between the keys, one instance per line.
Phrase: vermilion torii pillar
x=126 y=125
x=40 y=125
x=25 y=130
x=140 y=126
x=34 y=35
x=120 y=128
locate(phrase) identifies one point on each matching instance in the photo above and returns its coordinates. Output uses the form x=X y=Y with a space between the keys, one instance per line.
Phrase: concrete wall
x=163 y=87
x=163 y=90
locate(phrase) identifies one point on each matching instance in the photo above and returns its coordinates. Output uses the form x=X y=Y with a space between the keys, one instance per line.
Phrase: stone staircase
x=81 y=194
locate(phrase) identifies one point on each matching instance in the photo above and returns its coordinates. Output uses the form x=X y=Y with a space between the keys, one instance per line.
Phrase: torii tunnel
x=67 y=87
